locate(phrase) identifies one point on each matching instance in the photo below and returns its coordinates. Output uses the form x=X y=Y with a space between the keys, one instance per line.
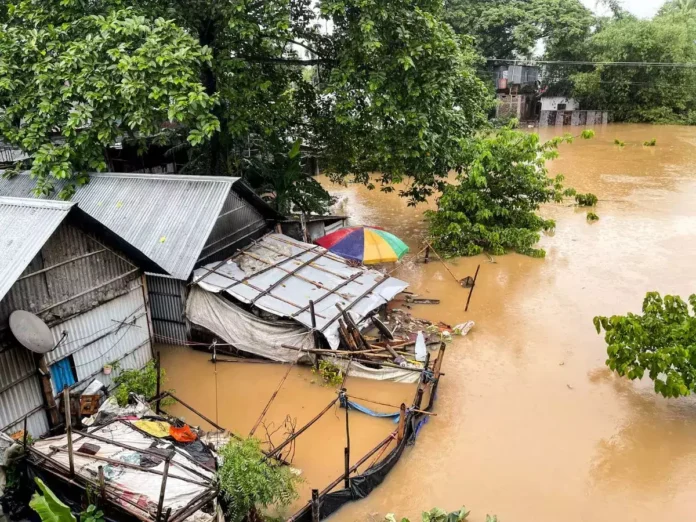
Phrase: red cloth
x=182 y=434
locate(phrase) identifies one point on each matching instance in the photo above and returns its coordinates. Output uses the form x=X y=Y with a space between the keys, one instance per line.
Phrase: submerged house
x=87 y=285
x=563 y=110
x=180 y=222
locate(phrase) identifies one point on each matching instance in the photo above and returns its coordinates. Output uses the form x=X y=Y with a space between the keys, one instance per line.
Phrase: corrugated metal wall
x=167 y=307
x=76 y=285
x=20 y=392
x=114 y=331
x=238 y=221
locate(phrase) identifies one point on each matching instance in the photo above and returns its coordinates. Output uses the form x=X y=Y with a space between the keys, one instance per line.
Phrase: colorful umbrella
x=365 y=244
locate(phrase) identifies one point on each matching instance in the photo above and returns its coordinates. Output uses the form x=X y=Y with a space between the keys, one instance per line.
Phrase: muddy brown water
x=531 y=426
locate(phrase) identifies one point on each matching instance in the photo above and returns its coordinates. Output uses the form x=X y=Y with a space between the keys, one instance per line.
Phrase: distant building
x=516 y=92
x=563 y=110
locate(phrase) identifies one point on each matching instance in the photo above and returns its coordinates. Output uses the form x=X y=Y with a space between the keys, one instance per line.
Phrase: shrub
x=586 y=200
x=140 y=382
x=249 y=481
x=591 y=216
x=650 y=143
x=331 y=374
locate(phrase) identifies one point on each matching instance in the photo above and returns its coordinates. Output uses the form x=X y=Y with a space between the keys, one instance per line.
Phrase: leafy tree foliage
x=493 y=205
x=73 y=80
x=389 y=88
x=249 y=482
x=512 y=28
x=661 y=342
x=642 y=93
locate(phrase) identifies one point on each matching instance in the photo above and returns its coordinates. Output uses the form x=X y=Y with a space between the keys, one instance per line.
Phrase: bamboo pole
x=390 y=405
x=473 y=285
x=270 y=401
x=352 y=279
x=102 y=483
x=68 y=427
x=356 y=301
x=443 y=263
x=401 y=430
x=158 y=408
x=163 y=490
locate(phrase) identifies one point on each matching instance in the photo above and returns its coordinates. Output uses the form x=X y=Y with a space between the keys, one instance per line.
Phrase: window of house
x=63 y=373
x=561 y=106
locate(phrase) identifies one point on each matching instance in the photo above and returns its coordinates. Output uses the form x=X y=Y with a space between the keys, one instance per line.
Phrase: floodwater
x=530 y=426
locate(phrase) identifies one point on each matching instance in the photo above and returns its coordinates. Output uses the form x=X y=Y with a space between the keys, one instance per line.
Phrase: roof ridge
x=36 y=203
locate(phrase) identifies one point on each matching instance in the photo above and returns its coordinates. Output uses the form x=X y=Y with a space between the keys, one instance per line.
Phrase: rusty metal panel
x=103 y=335
x=70 y=263
x=20 y=392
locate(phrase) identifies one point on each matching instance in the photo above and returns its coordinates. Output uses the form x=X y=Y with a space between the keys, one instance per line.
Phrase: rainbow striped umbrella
x=368 y=245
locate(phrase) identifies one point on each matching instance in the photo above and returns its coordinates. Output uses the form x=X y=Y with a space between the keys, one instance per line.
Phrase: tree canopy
x=493 y=205
x=642 y=93
x=237 y=85
x=661 y=342
x=512 y=28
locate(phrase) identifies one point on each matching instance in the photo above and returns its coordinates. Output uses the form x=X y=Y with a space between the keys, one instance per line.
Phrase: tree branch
x=287 y=61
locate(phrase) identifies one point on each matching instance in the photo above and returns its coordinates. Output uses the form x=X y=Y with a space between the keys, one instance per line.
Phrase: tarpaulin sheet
x=281 y=276
x=245 y=331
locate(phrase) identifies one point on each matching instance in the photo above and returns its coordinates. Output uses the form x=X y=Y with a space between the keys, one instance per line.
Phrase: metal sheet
x=167 y=308
x=167 y=217
x=26 y=225
x=22 y=398
x=99 y=337
x=290 y=294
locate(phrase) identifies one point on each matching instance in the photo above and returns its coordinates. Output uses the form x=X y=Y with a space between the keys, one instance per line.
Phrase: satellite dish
x=31 y=332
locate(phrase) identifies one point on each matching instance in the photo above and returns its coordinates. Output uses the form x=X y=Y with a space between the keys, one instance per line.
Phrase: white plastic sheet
x=286 y=289
x=247 y=332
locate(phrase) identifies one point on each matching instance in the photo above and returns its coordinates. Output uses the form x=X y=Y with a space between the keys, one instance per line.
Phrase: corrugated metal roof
x=25 y=225
x=281 y=275
x=166 y=217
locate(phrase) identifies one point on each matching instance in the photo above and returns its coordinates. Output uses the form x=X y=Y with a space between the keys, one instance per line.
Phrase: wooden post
x=427 y=255
x=346 y=455
x=102 y=484
x=402 y=423
x=347 y=448
x=47 y=392
x=315 y=505
x=315 y=334
x=167 y=514
x=163 y=489
x=158 y=409
x=25 y=434
x=472 y=289
x=68 y=428
x=419 y=398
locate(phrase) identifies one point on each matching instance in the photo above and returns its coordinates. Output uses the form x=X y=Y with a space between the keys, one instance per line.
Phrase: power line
x=513 y=61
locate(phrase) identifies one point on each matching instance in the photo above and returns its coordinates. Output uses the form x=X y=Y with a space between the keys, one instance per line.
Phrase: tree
x=661 y=342
x=512 y=28
x=652 y=94
x=74 y=80
x=389 y=88
x=493 y=205
x=249 y=482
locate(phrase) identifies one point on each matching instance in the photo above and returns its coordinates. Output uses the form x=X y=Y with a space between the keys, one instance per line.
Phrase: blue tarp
x=367 y=411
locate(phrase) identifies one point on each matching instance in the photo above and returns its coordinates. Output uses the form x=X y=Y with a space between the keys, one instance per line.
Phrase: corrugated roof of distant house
x=25 y=225
x=166 y=216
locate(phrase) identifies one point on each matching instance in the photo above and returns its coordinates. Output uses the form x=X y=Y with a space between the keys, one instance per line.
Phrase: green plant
x=618 y=142
x=591 y=216
x=661 y=342
x=249 y=481
x=140 y=382
x=48 y=506
x=586 y=200
x=493 y=205
x=437 y=515
x=650 y=143
x=331 y=374
x=92 y=514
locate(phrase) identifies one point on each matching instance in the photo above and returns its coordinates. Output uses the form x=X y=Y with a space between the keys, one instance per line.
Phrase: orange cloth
x=182 y=434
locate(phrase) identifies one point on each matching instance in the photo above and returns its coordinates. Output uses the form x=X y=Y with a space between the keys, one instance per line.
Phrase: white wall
x=550 y=103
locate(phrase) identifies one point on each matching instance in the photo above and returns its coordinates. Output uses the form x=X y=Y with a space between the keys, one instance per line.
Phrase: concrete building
x=561 y=110
x=88 y=285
